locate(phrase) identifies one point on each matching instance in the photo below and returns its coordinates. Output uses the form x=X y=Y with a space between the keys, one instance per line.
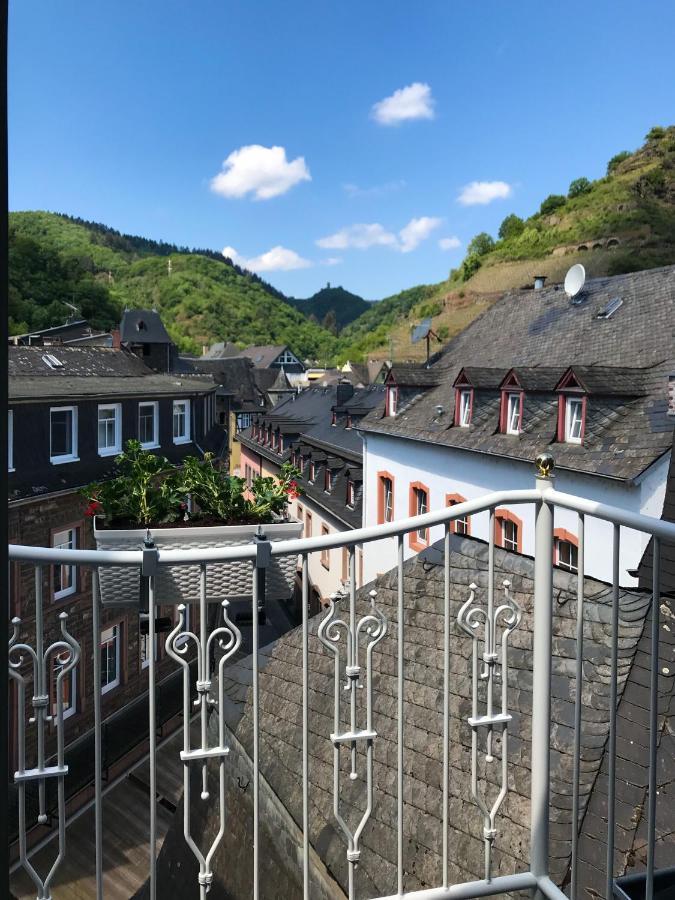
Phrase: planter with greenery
x=193 y=506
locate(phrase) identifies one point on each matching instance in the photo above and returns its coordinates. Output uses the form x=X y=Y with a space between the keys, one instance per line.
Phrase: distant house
x=586 y=381
x=274 y=357
x=142 y=332
x=316 y=431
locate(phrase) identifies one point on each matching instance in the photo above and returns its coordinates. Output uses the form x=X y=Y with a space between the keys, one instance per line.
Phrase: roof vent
x=574 y=282
x=140 y=325
x=539 y=282
x=50 y=360
x=608 y=311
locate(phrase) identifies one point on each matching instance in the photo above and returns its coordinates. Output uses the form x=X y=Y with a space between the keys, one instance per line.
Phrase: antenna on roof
x=424 y=332
x=574 y=281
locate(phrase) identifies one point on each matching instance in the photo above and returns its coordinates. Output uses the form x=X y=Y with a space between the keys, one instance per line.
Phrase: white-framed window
x=68 y=686
x=421 y=507
x=144 y=643
x=10 y=440
x=65 y=576
x=110 y=658
x=244 y=421
x=63 y=434
x=148 y=424
x=392 y=400
x=465 y=408
x=109 y=429
x=286 y=358
x=387 y=499
x=510 y=535
x=328 y=480
x=312 y=471
x=513 y=414
x=567 y=555
x=181 y=421
x=573 y=420
x=350 y=493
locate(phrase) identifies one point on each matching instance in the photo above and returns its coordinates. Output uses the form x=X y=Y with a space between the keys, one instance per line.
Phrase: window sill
x=59 y=460
x=417 y=544
x=106 y=688
x=65 y=595
x=11 y=469
x=183 y=440
x=110 y=451
x=150 y=446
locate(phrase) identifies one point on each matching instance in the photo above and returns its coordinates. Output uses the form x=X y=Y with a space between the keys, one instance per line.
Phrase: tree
x=480 y=245
x=511 y=227
x=472 y=263
x=551 y=203
x=578 y=187
x=616 y=161
x=330 y=322
x=656 y=133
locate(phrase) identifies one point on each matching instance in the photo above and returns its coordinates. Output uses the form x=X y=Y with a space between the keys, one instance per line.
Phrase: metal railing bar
x=305 y=728
x=613 y=692
x=550 y=890
x=579 y=675
x=446 y=698
x=648 y=524
x=98 y=793
x=399 y=757
x=256 y=732
x=152 y=717
x=503 y=884
x=653 y=714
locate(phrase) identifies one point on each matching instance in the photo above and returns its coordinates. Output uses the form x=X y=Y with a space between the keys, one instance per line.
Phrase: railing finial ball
x=545 y=464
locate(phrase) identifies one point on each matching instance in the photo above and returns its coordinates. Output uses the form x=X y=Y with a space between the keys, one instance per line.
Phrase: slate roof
x=667 y=548
x=629 y=354
x=76 y=326
x=281 y=730
x=221 y=350
x=143 y=326
x=88 y=371
x=263 y=355
x=412 y=375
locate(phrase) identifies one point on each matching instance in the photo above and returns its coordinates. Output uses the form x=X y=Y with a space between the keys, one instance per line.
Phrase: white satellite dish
x=574 y=280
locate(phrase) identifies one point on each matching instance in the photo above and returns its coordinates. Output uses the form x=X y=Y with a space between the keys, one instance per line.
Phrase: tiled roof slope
x=77 y=361
x=667 y=549
x=623 y=436
x=281 y=734
x=263 y=355
x=143 y=326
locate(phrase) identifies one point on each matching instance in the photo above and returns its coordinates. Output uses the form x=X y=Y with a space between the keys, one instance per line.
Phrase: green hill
x=54 y=260
x=333 y=307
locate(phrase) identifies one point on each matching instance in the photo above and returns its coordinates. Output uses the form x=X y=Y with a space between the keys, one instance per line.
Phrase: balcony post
x=541 y=675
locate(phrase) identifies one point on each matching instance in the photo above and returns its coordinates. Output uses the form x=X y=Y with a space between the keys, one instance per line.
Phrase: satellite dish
x=574 y=280
x=421 y=331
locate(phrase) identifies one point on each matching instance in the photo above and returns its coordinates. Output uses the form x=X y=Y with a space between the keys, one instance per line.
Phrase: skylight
x=50 y=360
x=608 y=311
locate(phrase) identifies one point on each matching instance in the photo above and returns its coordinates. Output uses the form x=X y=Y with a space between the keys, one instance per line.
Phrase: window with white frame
x=110 y=658
x=10 y=441
x=567 y=555
x=392 y=400
x=65 y=575
x=148 y=424
x=573 y=420
x=350 y=493
x=510 y=535
x=63 y=434
x=421 y=507
x=243 y=421
x=387 y=488
x=66 y=688
x=513 y=414
x=465 y=408
x=181 y=421
x=109 y=429
x=144 y=644
x=286 y=358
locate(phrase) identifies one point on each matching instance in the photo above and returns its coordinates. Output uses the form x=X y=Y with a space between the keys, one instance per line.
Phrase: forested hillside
x=332 y=307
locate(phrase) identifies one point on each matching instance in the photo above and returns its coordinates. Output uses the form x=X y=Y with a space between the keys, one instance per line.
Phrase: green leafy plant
x=616 y=160
x=149 y=490
x=578 y=187
x=511 y=227
x=481 y=244
x=551 y=203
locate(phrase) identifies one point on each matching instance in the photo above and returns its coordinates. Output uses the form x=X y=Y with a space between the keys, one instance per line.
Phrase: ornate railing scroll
x=374 y=627
x=489 y=629
x=228 y=639
x=67 y=650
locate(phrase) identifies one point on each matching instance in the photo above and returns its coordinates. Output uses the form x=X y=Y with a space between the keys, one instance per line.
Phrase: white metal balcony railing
x=353 y=641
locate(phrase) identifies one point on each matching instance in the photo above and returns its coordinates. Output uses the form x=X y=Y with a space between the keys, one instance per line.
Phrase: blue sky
x=126 y=112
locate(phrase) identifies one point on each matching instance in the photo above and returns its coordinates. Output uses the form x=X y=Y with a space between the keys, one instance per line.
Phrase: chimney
x=345 y=392
x=116 y=342
x=539 y=282
x=671 y=394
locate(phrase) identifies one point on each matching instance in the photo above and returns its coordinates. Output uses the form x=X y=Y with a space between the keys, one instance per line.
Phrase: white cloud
x=377 y=190
x=416 y=231
x=359 y=237
x=278 y=259
x=449 y=243
x=482 y=192
x=411 y=102
x=263 y=171
x=331 y=261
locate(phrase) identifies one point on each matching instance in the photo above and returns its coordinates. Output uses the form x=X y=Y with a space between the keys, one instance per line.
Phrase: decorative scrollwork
x=370 y=629
x=489 y=629
x=228 y=638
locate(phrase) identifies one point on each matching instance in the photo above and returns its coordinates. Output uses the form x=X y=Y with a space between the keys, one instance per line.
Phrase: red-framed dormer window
x=392 y=399
x=333 y=418
x=459 y=526
x=351 y=493
x=511 y=418
x=349 y=421
x=312 y=471
x=328 y=480
x=280 y=442
x=571 y=409
x=463 y=406
x=565 y=550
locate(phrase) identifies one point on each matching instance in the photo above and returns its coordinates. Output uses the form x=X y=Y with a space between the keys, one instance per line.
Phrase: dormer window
x=514 y=413
x=333 y=418
x=574 y=419
x=328 y=480
x=463 y=407
x=350 y=493
x=349 y=421
x=312 y=471
x=392 y=399
x=280 y=442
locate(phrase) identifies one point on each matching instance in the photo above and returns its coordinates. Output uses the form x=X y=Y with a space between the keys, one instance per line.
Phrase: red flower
x=93 y=508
